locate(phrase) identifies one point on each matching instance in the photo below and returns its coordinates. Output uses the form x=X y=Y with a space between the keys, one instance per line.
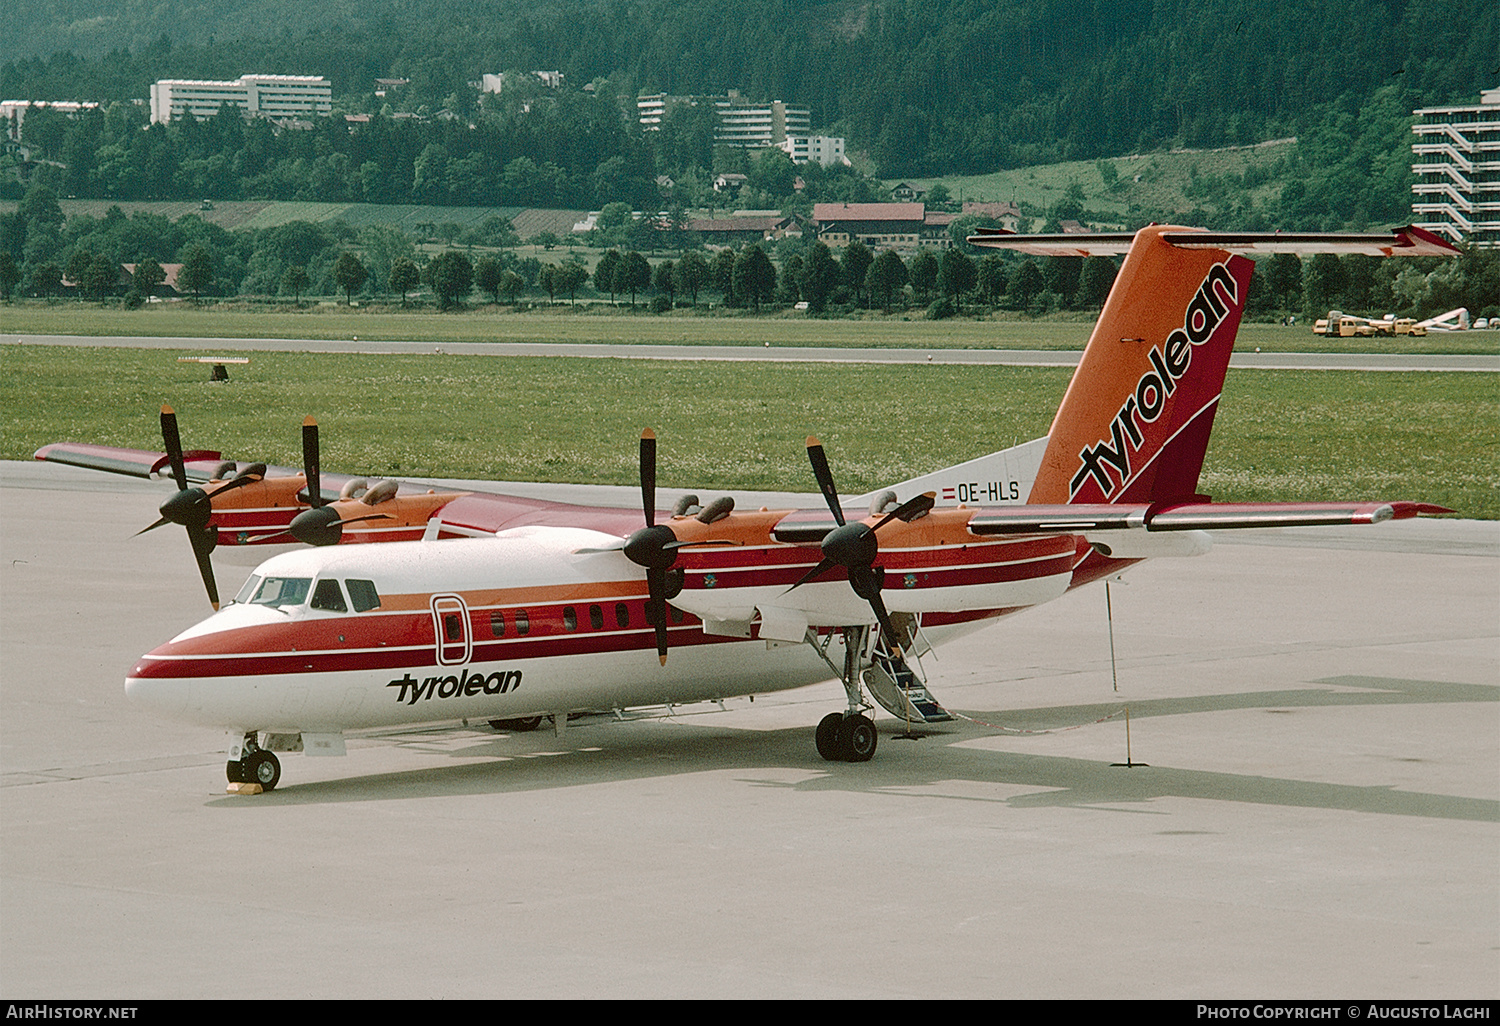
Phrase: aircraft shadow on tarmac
x=642 y=749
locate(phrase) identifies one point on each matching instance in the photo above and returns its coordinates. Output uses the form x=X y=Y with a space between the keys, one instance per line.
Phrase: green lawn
x=602 y=323
x=1281 y=435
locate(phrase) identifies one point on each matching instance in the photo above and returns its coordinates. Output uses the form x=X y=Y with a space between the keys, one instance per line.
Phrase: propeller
x=655 y=546
x=193 y=507
x=854 y=546
x=319 y=525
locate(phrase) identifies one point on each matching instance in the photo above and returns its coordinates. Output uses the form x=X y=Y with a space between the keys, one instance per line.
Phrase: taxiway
x=1320 y=816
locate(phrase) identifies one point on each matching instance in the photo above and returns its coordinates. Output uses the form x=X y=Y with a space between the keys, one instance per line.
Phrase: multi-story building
x=13 y=113
x=263 y=96
x=1457 y=167
x=751 y=125
x=818 y=149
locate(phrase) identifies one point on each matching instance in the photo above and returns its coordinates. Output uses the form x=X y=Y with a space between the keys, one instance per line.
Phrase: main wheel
x=828 y=735
x=261 y=768
x=518 y=726
x=856 y=739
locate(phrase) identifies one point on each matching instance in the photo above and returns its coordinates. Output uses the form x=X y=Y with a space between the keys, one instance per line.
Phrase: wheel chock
x=244 y=789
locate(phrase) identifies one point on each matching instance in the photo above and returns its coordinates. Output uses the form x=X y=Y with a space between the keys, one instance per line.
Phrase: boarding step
x=903 y=695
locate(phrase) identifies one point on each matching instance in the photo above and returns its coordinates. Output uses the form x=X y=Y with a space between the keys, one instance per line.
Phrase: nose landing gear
x=255 y=765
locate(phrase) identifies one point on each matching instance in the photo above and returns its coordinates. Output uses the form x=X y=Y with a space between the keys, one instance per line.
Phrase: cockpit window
x=363 y=595
x=248 y=590
x=329 y=596
x=282 y=591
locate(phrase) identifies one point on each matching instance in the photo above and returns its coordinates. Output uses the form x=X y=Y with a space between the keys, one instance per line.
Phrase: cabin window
x=453 y=628
x=523 y=622
x=622 y=614
x=570 y=618
x=282 y=591
x=676 y=615
x=329 y=596
x=497 y=623
x=363 y=595
x=596 y=618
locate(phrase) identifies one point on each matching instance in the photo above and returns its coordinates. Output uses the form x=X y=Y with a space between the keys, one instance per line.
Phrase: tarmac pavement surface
x=1318 y=816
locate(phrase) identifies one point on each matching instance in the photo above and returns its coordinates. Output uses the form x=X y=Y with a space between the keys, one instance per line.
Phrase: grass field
x=1280 y=435
x=622 y=325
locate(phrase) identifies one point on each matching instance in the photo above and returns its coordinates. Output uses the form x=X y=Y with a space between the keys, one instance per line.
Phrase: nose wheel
x=254 y=766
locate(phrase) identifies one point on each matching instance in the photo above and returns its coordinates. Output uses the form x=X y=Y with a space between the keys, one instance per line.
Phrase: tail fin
x=1134 y=423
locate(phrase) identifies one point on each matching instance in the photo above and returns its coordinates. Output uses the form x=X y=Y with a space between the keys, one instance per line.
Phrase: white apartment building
x=760 y=125
x=262 y=96
x=1457 y=166
x=818 y=149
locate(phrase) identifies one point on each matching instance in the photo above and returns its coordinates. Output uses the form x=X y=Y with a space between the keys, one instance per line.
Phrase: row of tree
x=40 y=248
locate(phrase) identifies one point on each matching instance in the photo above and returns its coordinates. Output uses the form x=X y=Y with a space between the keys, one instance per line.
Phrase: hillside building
x=903 y=227
x=1457 y=167
x=259 y=96
x=748 y=125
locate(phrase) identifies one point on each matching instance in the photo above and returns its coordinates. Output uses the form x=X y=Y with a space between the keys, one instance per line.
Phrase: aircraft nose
x=165 y=697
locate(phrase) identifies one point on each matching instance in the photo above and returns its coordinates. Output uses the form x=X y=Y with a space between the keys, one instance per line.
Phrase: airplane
x=511 y=608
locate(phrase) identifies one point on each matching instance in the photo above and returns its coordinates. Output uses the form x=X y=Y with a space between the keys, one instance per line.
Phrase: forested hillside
x=961 y=87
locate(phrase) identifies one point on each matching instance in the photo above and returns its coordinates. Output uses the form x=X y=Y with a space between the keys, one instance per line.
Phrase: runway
x=785 y=354
x=1320 y=816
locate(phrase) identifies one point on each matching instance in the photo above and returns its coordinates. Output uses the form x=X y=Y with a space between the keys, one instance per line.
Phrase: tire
x=827 y=736
x=857 y=739
x=520 y=726
x=262 y=768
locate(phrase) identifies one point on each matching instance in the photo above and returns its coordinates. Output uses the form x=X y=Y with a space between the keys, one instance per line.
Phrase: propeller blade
x=656 y=609
x=823 y=566
x=648 y=475
x=203 y=543
x=311 y=466
x=907 y=510
x=173 y=443
x=819 y=461
x=153 y=527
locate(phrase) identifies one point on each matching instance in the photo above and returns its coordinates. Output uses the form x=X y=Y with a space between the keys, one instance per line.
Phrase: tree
x=923 y=270
x=754 y=276
x=856 y=266
x=487 y=274
x=45 y=280
x=451 y=276
x=404 y=277
x=349 y=274
x=10 y=275
x=820 y=276
x=1098 y=278
x=197 y=274
x=295 y=281
x=957 y=274
x=886 y=275
x=511 y=284
x=632 y=274
x=101 y=277
x=691 y=273
x=664 y=280
x=570 y=276
x=604 y=271
x=1025 y=285
x=992 y=277
x=148 y=276
x=721 y=274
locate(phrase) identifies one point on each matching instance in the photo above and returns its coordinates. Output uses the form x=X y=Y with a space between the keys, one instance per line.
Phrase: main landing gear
x=255 y=765
x=850 y=736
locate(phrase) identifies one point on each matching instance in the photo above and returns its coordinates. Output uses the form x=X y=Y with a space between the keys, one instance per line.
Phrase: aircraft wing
x=1189 y=516
x=1407 y=241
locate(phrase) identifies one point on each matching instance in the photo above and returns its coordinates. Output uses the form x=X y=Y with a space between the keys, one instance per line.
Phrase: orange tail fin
x=1135 y=422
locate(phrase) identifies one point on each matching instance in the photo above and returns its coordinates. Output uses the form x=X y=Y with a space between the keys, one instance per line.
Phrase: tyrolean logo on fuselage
x=465 y=684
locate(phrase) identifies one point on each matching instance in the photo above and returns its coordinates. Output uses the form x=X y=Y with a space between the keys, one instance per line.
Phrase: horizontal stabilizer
x=1408 y=241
